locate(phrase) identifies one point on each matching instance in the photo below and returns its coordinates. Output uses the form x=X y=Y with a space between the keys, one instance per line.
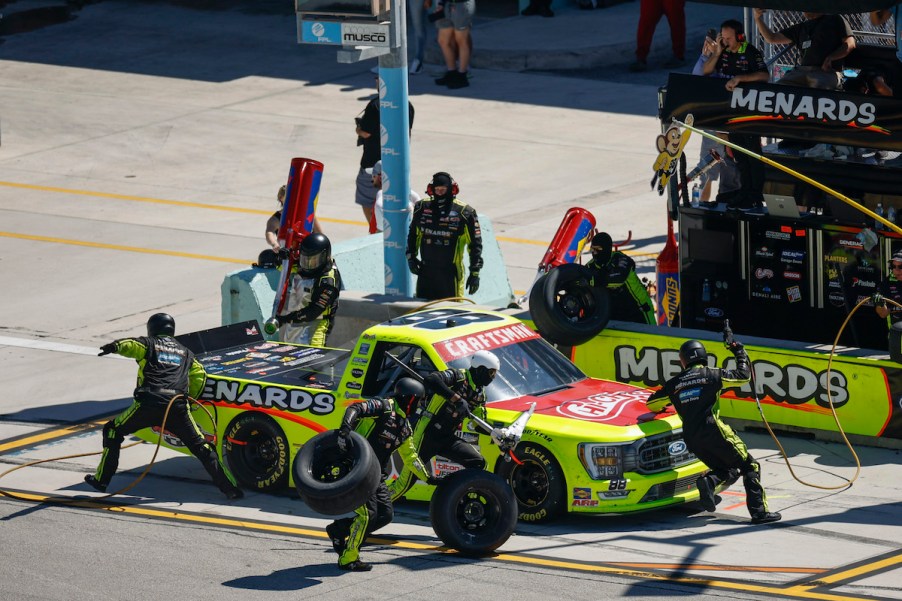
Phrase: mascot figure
x=670 y=147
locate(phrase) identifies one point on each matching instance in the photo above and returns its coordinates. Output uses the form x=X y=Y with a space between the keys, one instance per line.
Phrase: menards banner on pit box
x=791 y=378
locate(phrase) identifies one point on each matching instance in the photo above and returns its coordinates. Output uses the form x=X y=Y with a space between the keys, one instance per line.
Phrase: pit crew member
x=313 y=295
x=616 y=272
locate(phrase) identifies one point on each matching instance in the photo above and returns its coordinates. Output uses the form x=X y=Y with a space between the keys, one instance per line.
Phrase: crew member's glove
x=343 y=439
x=727 y=334
x=283 y=253
x=415 y=265
x=473 y=282
x=878 y=300
x=106 y=349
x=293 y=317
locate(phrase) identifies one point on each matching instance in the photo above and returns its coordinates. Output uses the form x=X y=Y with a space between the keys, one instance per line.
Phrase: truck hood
x=591 y=400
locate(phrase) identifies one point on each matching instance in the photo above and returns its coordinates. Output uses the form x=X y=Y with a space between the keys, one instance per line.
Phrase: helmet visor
x=312 y=262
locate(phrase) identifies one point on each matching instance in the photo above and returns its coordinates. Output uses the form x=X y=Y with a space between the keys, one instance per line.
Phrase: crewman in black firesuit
x=455 y=393
x=440 y=228
x=616 y=272
x=386 y=429
x=166 y=369
x=309 y=312
x=695 y=394
x=891 y=288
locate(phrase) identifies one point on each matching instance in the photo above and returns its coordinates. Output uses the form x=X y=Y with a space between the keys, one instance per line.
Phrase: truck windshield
x=528 y=368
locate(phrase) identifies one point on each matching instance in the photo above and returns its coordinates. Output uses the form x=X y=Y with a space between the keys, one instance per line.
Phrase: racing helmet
x=602 y=246
x=408 y=391
x=315 y=254
x=161 y=324
x=483 y=367
x=692 y=352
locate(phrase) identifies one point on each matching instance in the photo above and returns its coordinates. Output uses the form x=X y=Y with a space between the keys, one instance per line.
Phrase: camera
x=439 y=14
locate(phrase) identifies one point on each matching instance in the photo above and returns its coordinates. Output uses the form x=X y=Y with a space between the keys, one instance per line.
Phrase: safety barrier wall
x=792 y=380
x=248 y=294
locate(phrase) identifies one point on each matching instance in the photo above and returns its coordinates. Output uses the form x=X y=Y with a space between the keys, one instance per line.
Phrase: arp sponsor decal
x=269 y=397
x=602 y=407
x=792 y=384
x=582 y=497
x=464 y=346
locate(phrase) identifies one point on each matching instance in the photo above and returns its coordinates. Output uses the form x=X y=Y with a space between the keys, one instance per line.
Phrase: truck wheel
x=473 y=511
x=256 y=451
x=333 y=482
x=538 y=482
x=566 y=308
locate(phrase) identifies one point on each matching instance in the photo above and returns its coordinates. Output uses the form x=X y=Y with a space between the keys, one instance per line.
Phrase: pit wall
x=792 y=380
x=248 y=294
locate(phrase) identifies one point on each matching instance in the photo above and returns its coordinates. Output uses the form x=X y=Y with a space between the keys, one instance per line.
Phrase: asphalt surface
x=141 y=146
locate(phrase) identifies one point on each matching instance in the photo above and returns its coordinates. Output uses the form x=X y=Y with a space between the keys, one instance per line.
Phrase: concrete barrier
x=249 y=293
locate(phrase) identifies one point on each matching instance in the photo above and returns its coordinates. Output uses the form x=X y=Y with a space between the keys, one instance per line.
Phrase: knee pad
x=111 y=436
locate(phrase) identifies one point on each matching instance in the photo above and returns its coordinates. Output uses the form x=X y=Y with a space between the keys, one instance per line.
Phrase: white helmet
x=483 y=367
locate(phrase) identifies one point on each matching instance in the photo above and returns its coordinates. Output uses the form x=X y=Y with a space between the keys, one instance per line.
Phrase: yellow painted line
x=49 y=435
x=718 y=568
x=134 y=249
x=201 y=205
x=798 y=592
x=163 y=201
x=862 y=570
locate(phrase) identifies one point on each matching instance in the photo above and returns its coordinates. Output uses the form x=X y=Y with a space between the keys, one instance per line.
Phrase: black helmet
x=406 y=388
x=692 y=352
x=267 y=259
x=316 y=254
x=161 y=324
x=602 y=245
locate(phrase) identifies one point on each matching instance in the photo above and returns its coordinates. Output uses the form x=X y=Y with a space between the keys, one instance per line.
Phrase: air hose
x=64 y=499
x=832 y=409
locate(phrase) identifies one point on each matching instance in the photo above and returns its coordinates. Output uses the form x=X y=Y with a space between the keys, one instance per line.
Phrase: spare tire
x=333 y=482
x=566 y=308
x=473 y=511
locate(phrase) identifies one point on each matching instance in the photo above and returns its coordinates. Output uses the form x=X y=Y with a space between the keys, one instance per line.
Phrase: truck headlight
x=603 y=462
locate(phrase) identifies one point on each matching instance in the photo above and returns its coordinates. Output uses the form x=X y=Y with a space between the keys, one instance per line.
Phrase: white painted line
x=58 y=347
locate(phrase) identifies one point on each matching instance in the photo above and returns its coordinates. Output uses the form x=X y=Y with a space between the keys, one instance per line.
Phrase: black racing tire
x=333 y=482
x=473 y=511
x=566 y=308
x=537 y=482
x=256 y=451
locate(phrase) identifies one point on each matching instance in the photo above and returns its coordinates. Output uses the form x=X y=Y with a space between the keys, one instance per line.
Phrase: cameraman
x=368 y=137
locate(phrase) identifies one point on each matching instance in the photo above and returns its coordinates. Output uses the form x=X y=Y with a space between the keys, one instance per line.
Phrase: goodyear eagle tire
x=473 y=511
x=566 y=308
x=256 y=451
x=333 y=482
x=537 y=482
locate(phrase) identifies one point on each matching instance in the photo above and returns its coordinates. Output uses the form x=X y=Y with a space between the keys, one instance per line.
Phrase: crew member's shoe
x=766 y=517
x=356 y=566
x=233 y=493
x=95 y=483
x=459 y=80
x=706 y=494
x=338 y=541
x=446 y=79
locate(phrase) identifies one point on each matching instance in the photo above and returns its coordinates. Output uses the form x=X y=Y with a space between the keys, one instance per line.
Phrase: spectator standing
x=823 y=40
x=369 y=137
x=416 y=14
x=455 y=40
x=650 y=12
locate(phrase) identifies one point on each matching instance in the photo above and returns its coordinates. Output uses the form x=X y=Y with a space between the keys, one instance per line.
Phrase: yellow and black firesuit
x=616 y=271
x=455 y=392
x=166 y=369
x=695 y=394
x=440 y=228
x=383 y=422
x=309 y=313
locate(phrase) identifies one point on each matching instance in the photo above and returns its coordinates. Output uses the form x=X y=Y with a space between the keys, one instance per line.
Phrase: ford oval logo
x=676 y=448
x=714 y=312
